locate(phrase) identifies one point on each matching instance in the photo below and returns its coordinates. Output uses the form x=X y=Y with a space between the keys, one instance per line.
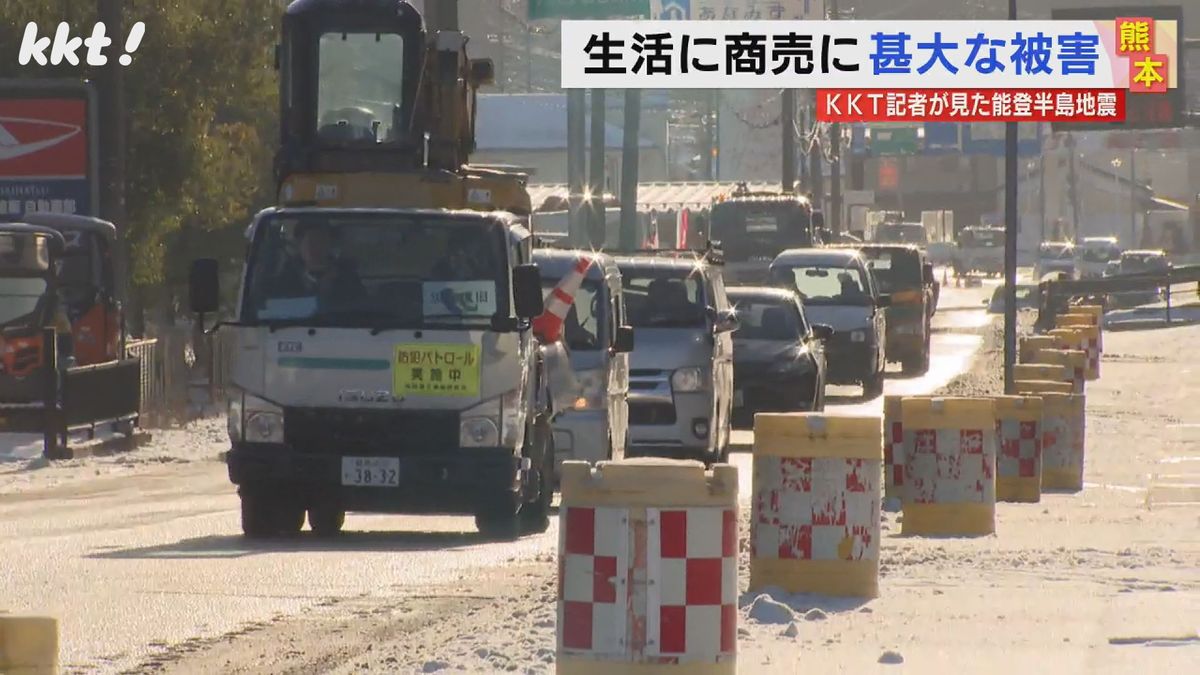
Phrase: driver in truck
x=315 y=271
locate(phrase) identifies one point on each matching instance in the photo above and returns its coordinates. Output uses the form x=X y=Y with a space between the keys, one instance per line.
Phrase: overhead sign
x=1145 y=35
x=987 y=138
x=587 y=9
x=47 y=149
x=889 y=140
x=942 y=138
x=736 y=10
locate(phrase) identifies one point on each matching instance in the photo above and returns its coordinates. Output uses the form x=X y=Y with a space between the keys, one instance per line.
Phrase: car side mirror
x=726 y=321
x=822 y=331
x=927 y=273
x=884 y=301
x=528 y=302
x=623 y=342
x=204 y=286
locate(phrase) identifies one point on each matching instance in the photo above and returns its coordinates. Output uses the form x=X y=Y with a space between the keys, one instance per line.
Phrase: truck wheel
x=873 y=386
x=535 y=515
x=326 y=520
x=265 y=515
x=501 y=521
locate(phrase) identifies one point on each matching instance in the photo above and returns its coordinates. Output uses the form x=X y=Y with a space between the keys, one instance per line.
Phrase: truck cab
x=681 y=370
x=753 y=227
x=1093 y=254
x=594 y=424
x=385 y=363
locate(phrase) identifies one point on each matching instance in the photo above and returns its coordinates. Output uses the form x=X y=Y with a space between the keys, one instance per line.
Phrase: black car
x=778 y=356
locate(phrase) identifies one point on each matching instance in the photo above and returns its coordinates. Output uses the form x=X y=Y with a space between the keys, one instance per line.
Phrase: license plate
x=738 y=398
x=371 y=471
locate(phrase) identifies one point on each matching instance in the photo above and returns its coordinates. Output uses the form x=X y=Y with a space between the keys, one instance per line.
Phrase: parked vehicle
x=681 y=369
x=838 y=290
x=753 y=228
x=979 y=249
x=385 y=363
x=596 y=425
x=1055 y=256
x=901 y=233
x=903 y=273
x=1138 y=262
x=1093 y=254
x=778 y=356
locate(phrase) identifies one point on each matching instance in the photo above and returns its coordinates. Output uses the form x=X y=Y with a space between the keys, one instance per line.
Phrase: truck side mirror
x=726 y=321
x=884 y=301
x=822 y=331
x=483 y=72
x=623 y=342
x=204 y=286
x=927 y=273
x=528 y=302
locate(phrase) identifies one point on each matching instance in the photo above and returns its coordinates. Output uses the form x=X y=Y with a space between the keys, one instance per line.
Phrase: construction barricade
x=893 y=448
x=1030 y=345
x=1051 y=372
x=1087 y=339
x=648 y=581
x=1042 y=386
x=1019 y=460
x=1085 y=320
x=815 y=524
x=950 y=466
x=28 y=645
x=1063 y=440
x=1074 y=360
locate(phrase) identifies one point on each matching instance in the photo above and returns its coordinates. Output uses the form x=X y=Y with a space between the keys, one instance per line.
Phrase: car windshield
x=760 y=229
x=585 y=323
x=1054 y=251
x=767 y=319
x=827 y=284
x=20 y=298
x=895 y=270
x=906 y=233
x=666 y=298
x=368 y=270
x=360 y=93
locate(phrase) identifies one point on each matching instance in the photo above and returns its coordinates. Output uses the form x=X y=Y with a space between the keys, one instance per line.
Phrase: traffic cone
x=549 y=326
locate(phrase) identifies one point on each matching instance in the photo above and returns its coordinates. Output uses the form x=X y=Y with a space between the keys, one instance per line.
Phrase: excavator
x=378 y=111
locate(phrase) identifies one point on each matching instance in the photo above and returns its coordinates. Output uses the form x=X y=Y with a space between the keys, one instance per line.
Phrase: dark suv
x=902 y=272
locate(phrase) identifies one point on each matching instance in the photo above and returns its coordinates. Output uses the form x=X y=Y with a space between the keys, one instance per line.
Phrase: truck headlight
x=688 y=380
x=260 y=420
x=475 y=432
x=858 y=336
x=498 y=421
x=592 y=390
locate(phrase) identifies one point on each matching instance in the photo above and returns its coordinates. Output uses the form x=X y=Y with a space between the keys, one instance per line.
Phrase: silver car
x=681 y=370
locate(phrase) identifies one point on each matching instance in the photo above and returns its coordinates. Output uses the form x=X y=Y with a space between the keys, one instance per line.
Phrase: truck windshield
x=360 y=93
x=24 y=253
x=894 y=270
x=20 y=299
x=584 y=327
x=376 y=270
x=827 y=285
x=760 y=229
x=983 y=238
x=670 y=298
x=901 y=233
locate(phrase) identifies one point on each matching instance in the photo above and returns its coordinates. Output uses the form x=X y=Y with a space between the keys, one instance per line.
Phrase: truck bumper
x=447 y=480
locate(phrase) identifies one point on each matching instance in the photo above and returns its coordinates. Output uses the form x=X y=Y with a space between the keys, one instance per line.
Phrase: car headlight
x=495 y=422
x=688 y=380
x=858 y=336
x=261 y=420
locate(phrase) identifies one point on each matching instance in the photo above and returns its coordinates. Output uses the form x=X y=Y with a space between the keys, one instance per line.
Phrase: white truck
x=385 y=362
x=979 y=249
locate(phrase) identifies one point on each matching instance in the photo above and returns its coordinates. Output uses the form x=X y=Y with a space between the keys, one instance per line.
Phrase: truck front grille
x=369 y=432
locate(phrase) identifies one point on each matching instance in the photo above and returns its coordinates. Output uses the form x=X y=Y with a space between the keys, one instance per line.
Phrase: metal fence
x=176 y=377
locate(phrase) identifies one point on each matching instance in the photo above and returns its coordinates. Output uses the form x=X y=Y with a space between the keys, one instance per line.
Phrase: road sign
x=587 y=9
x=987 y=138
x=1142 y=111
x=942 y=138
x=48 y=158
x=894 y=140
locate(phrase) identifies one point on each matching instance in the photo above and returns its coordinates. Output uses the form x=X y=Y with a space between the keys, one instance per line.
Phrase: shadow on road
x=236 y=546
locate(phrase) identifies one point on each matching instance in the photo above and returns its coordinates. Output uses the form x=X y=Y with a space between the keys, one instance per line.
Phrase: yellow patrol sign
x=435 y=370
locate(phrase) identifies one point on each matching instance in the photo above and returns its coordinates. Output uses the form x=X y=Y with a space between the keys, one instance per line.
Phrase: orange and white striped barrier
x=950 y=466
x=893 y=448
x=815 y=524
x=549 y=326
x=1029 y=345
x=1087 y=339
x=1063 y=441
x=28 y=645
x=1019 y=460
x=648 y=552
x=1042 y=386
x=1074 y=360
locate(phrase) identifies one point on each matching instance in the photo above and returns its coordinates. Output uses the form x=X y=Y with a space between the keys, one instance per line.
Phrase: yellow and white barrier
x=28 y=645
x=1084 y=320
x=1019 y=461
x=950 y=466
x=1051 y=372
x=1042 y=387
x=1075 y=360
x=1085 y=338
x=893 y=448
x=816 y=510
x=648 y=580
x=1063 y=441
x=1029 y=345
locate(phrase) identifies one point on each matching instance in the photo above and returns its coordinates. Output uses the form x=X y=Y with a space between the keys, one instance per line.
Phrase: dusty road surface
x=141 y=558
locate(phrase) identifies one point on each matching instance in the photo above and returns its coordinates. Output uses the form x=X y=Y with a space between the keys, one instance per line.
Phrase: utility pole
x=596 y=213
x=630 y=156
x=1073 y=189
x=529 y=59
x=816 y=162
x=787 y=121
x=835 y=149
x=1133 y=197
x=112 y=118
x=1010 y=241
x=576 y=166
x=1042 y=194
